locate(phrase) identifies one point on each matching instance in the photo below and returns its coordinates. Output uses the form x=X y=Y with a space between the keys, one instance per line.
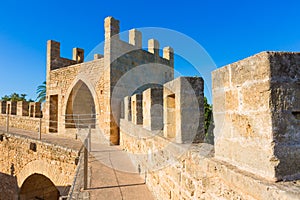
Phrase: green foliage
x=208 y=122
x=41 y=92
x=16 y=97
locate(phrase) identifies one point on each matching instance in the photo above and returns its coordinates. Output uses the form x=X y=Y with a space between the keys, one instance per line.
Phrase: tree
x=41 y=92
x=208 y=122
x=16 y=97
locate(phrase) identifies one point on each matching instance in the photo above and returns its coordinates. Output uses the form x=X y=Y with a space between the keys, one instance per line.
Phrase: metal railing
x=82 y=122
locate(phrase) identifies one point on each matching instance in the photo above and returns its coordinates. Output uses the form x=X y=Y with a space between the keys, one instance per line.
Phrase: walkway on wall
x=110 y=175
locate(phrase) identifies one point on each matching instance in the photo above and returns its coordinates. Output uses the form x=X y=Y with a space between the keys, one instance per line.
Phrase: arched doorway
x=38 y=186
x=80 y=109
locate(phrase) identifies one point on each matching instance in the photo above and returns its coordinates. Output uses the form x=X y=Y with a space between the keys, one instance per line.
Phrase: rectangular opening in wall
x=3 y=107
x=13 y=109
x=53 y=113
x=296 y=114
x=171 y=116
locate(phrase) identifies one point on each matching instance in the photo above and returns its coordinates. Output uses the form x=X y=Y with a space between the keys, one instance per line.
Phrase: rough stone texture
x=19 y=161
x=35 y=109
x=184 y=110
x=23 y=122
x=177 y=171
x=153 y=109
x=254 y=101
x=107 y=78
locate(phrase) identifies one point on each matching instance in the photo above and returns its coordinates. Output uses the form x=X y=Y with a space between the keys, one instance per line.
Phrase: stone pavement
x=111 y=175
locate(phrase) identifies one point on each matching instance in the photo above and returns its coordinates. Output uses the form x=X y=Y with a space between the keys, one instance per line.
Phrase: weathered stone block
x=183 y=109
x=153 y=109
x=22 y=108
x=35 y=109
x=263 y=97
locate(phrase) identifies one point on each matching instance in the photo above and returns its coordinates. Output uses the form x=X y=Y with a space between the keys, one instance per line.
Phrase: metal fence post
x=40 y=129
x=7 y=122
x=85 y=165
x=89 y=137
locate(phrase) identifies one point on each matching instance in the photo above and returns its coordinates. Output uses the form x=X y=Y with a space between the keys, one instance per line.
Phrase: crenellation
x=253 y=102
x=153 y=108
x=168 y=53
x=11 y=107
x=78 y=55
x=112 y=28
x=22 y=108
x=153 y=47
x=135 y=38
x=183 y=110
x=35 y=110
x=98 y=56
x=256 y=114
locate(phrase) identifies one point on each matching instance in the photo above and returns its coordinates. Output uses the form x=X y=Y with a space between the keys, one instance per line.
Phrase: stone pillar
x=111 y=26
x=127 y=108
x=22 y=108
x=184 y=110
x=137 y=109
x=255 y=106
x=153 y=47
x=11 y=107
x=35 y=109
x=135 y=38
x=53 y=53
x=153 y=109
x=2 y=107
x=78 y=55
x=168 y=53
x=98 y=56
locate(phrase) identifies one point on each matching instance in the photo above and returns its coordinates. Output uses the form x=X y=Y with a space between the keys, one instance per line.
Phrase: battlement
x=254 y=104
x=55 y=61
x=176 y=109
x=112 y=30
x=21 y=108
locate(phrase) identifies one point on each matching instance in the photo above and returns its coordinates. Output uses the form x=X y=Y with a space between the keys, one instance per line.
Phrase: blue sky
x=228 y=30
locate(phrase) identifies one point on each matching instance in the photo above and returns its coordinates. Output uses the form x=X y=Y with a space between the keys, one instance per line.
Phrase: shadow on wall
x=36 y=186
x=8 y=187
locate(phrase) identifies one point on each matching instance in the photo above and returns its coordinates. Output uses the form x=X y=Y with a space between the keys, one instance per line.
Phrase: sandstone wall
x=22 y=122
x=254 y=100
x=18 y=161
x=177 y=171
x=106 y=78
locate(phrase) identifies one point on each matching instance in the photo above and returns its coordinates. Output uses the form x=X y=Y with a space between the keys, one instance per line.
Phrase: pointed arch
x=80 y=110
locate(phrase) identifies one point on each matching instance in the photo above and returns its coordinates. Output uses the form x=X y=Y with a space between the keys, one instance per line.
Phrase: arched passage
x=80 y=109
x=38 y=186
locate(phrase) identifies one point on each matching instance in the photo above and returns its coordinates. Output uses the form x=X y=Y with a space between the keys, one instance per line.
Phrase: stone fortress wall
x=97 y=79
x=22 y=157
x=255 y=107
x=22 y=115
x=257 y=126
